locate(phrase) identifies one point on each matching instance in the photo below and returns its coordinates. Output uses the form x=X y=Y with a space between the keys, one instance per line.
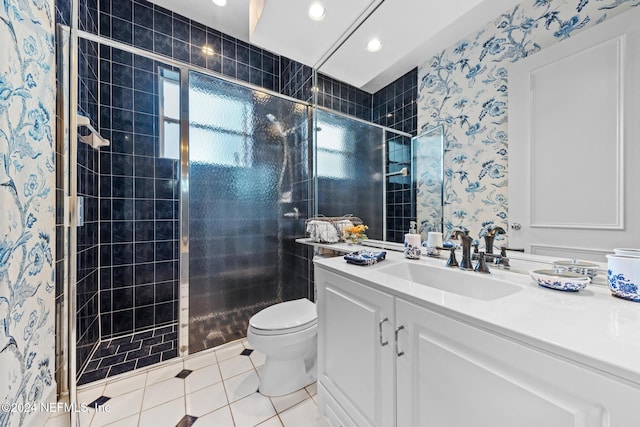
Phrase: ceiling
x=411 y=31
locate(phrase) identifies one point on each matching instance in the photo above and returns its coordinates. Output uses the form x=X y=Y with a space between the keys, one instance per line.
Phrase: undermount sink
x=476 y=285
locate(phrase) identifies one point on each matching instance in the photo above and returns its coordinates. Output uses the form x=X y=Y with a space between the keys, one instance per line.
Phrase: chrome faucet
x=465 y=241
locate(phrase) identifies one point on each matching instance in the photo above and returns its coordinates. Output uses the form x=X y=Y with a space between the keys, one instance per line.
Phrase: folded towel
x=365 y=257
x=322 y=231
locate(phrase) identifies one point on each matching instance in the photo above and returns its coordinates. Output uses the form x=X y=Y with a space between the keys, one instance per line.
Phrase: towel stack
x=326 y=231
x=365 y=257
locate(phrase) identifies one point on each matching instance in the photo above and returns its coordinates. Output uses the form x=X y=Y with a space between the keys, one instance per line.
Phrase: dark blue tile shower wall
x=139 y=207
x=63 y=12
x=343 y=97
x=395 y=106
x=155 y=29
x=87 y=235
x=296 y=81
x=88 y=15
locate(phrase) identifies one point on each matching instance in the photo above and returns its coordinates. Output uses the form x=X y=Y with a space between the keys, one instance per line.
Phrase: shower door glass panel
x=247 y=167
x=349 y=170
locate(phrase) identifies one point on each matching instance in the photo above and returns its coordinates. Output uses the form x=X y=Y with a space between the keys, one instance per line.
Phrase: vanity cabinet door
x=453 y=374
x=355 y=350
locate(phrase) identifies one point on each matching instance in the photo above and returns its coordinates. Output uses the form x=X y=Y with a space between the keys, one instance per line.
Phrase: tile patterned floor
x=215 y=389
x=123 y=354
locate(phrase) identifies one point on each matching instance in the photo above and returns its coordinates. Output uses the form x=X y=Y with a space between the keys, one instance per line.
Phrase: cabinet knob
x=516 y=226
x=382 y=343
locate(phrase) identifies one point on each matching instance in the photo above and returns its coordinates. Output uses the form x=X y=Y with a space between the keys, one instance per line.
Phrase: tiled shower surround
x=118 y=355
x=138 y=209
x=88 y=187
x=395 y=106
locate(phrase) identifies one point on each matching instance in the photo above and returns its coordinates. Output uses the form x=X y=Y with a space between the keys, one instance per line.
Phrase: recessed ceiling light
x=208 y=50
x=317 y=11
x=374 y=45
x=220 y=2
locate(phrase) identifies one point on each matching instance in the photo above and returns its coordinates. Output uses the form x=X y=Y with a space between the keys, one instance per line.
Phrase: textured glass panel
x=428 y=179
x=171 y=140
x=248 y=166
x=171 y=98
x=349 y=172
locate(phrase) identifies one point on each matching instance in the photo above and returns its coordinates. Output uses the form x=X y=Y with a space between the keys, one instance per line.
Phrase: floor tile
x=271 y=422
x=60 y=421
x=312 y=389
x=242 y=385
x=229 y=351
x=131 y=421
x=304 y=414
x=235 y=366
x=200 y=361
x=86 y=417
x=282 y=403
x=252 y=410
x=125 y=385
x=219 y=418
x=206 y=400
x=258 y=358
x=162 y=392
x=120 y=407
x=201 y=378
x=88 y=395
x=157 y=397
x=164 y=372
x=168 y=414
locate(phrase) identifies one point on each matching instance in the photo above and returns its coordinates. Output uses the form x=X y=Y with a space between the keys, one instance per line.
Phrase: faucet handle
x=504 y=249
x=452 y=262
x=481 y=266
x=495 y=230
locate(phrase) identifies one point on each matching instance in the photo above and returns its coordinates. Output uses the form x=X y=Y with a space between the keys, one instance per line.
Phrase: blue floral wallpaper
x=465 y=88
x=27 y=213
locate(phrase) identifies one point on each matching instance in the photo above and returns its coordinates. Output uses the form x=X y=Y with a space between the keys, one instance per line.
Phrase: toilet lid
x=291 y=315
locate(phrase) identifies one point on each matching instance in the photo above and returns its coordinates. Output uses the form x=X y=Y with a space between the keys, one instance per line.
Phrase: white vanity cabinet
x=355 y=352
x=455 y=374
x=445 y=372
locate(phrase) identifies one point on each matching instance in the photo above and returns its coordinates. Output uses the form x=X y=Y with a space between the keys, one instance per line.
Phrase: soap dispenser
x=412 y=242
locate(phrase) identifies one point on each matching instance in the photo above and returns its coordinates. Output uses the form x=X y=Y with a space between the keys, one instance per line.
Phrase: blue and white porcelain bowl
x=633 y=252
x=623 y=276
x=559 y=279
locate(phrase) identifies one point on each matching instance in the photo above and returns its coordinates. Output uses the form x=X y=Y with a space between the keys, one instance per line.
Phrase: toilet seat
x=285 y=318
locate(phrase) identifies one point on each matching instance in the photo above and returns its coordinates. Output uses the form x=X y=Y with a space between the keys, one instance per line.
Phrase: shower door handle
x=382 y=343
x=79 y=211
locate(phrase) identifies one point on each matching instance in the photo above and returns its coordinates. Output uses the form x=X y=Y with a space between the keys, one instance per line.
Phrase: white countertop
x=590 y=327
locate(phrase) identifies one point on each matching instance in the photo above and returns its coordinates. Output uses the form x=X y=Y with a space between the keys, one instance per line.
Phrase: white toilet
x=287 y=334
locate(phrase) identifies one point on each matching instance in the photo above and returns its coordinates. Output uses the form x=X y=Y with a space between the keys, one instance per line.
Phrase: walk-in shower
x=192 y=212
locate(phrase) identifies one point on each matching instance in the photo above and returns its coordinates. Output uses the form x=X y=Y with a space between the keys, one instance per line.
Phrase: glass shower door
x=349 y=163
x=247 y=168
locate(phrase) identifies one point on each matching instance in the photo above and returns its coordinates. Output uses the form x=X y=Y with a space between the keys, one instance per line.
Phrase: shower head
x=278 y=126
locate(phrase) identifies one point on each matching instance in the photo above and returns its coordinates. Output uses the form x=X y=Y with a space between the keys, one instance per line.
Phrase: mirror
x=427 y=155
x=466 y=86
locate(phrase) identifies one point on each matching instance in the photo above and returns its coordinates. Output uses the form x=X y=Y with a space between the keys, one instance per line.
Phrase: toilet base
x=280 y=376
